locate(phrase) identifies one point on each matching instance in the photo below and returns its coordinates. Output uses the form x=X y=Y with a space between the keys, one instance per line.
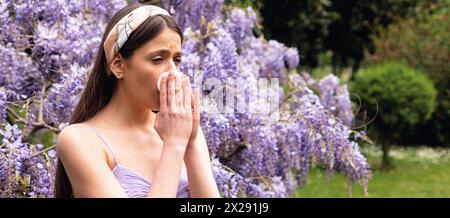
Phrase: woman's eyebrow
x=163 y=51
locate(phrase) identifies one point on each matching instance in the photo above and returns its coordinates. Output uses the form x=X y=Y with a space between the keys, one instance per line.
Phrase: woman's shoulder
x=75 y=131
x=76 y=138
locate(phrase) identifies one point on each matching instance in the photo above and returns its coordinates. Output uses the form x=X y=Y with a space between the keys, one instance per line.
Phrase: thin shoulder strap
x=107 y=145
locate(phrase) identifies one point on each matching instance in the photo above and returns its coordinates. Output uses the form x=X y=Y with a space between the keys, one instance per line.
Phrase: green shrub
x=404 y=97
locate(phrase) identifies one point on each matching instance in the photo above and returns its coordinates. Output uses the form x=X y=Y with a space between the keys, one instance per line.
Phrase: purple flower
x=2 y=105
x=220 y=56
x=19 y=72
x=292 y=58
x=240 y=24
x=230 y=184
x=189 y=13
x=63 y=95
x=335 y=97
x=22 y=173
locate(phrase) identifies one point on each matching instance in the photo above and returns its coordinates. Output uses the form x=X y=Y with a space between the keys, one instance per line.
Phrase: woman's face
x=143 y=68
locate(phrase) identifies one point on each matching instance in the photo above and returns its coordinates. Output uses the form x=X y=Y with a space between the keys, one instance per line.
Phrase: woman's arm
x=174 y=125
x=167 y=176
x=198 y=165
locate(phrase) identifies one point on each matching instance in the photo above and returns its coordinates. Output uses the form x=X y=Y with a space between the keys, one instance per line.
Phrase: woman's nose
x=173 y=66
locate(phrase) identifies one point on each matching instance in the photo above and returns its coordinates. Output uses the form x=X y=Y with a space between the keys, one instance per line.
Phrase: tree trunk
x=386 y=163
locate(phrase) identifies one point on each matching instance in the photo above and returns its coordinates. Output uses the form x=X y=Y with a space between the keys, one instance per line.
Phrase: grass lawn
x=419 y=172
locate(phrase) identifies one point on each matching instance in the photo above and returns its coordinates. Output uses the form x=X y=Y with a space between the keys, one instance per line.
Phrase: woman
x=126 y=138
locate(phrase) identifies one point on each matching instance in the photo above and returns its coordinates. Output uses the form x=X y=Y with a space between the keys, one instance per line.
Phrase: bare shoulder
x=72 y=131
x=76 y=138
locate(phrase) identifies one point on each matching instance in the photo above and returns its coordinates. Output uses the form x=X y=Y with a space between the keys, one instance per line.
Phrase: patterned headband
x=121 y=31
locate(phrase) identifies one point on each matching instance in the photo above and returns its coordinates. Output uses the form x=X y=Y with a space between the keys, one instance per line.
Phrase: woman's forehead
x=166 y=41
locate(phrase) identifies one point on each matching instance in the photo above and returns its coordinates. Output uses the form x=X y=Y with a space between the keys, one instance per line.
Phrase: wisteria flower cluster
x=47 y=48
x=255 y=155
x=25 y=170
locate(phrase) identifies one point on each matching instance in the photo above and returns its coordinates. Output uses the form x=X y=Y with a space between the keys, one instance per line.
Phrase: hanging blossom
x=230 y=184
x=3 y=97
x=63 y=95
x=189 y=13
x=54 y=34
x=335 y=97
x=292 y=59
x=19 y=73
x=330 y=139
x=4 y=17
x=240 y=24
x=220 y=56
x=24 y=172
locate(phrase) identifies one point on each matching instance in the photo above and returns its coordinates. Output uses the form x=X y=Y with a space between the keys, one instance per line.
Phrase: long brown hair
x=100 y=85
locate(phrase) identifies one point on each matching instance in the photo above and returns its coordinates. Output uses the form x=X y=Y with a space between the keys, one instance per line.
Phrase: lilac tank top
x=135 y=185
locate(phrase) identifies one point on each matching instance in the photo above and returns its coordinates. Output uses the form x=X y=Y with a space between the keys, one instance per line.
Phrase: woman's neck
x=123 y=112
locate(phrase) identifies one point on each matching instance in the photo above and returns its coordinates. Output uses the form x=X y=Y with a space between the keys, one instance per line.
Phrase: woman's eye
x=177 y=60
x=158 y=60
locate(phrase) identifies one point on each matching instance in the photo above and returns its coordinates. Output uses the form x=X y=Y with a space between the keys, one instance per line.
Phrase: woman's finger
x=196 y=102
x=196 y=114
x=178 y=91
x=171 y=91
x=163 y=94
x=187 y=93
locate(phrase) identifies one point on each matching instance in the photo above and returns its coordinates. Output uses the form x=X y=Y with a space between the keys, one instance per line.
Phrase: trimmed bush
x=405 y=97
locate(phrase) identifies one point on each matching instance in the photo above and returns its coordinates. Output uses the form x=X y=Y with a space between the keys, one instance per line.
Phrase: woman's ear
x=117 y=66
